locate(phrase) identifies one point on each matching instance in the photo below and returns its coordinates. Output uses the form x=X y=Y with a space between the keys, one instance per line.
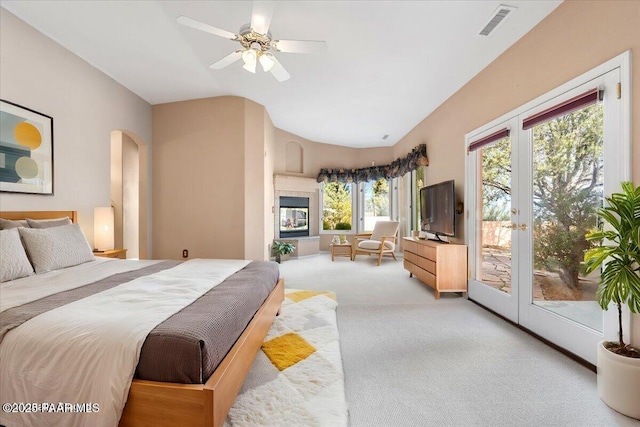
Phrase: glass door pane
x=495 y=230
x=568 y=171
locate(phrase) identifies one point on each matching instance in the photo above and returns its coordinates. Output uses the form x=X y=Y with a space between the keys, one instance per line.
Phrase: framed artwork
x=26 y=150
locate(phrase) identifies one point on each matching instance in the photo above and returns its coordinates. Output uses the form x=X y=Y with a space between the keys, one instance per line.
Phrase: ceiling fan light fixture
x=256 y=42
x=249 y=57
x=251 y=67
x=266 y=60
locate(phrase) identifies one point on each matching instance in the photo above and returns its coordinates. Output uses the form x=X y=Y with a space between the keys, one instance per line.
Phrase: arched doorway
x=129 y=189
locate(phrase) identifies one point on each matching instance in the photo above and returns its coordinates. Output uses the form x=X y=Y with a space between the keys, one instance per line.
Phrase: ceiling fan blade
x=227 y=60
x=261 y=16
x=279 y=72
x=300 y=46
x=206 y=28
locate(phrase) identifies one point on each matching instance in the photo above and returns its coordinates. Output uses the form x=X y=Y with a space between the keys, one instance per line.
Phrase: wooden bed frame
x=153 y=403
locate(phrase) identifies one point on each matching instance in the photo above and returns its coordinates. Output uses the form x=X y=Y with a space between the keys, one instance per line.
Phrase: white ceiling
x=389 y=63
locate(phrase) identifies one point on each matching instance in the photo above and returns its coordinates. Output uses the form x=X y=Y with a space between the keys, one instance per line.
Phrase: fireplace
x=294 y=216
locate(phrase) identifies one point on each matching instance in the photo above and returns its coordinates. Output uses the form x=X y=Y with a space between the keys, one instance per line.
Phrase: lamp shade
x=249 y=56
x=267 y=62
x=103 y=235
x=251 y=67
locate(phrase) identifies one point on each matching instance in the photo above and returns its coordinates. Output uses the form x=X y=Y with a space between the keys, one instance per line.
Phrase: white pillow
x=5 y=224
x=56 y=247
x=15 y=263
x=46 y=223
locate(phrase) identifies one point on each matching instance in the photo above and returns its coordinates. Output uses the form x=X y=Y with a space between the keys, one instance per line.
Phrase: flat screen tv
x=438 y=209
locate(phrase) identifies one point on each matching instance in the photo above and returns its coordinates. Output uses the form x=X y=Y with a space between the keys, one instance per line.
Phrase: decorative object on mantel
x=26 y=149
x=282 y=248
x=399 y=167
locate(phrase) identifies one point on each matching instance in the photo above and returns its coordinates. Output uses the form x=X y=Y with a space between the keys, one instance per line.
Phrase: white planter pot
x=619 y=382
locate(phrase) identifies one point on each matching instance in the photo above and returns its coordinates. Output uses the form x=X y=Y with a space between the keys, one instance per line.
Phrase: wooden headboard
x=16 y=215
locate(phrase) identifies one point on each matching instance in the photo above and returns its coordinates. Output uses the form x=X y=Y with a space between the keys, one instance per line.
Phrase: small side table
x=113 y=253
x=340 y=249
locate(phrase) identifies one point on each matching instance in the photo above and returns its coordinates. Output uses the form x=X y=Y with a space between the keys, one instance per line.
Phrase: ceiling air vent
x=497 y=18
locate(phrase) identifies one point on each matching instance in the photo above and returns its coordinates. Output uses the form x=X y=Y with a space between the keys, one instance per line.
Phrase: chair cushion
x=375 y=244
x=384 y=228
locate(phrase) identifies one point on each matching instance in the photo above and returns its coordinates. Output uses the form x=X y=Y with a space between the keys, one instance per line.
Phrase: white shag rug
x=297 y=377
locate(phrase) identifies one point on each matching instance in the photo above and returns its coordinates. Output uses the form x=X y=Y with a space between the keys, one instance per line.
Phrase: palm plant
x=619 y=280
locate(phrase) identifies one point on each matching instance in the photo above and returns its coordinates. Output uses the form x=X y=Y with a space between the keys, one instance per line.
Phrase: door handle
x=523 y=227
x=512 y=226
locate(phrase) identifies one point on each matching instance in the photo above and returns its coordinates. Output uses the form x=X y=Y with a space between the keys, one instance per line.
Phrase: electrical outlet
x=185 y=253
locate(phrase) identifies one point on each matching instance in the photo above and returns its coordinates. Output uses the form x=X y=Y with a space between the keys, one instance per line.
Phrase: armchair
x=379 y=242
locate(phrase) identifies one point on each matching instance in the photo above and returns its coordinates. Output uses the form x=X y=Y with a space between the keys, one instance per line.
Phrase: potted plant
x=618 y=362
x=282 y=248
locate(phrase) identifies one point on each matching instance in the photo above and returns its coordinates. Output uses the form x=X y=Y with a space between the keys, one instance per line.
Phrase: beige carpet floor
x=411 y=360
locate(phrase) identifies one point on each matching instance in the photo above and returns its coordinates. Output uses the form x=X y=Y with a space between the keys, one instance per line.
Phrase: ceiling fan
x=257 y=43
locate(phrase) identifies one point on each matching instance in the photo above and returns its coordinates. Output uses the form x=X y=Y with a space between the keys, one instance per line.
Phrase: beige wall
x=86 y=106
x=254 y=187
x=213 y=185
x=318 y=155
x=575 y=38
x=198 y=178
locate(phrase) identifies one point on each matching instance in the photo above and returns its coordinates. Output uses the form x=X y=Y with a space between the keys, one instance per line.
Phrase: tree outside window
x=376 y=202
x=337 y=201
x=567 y=190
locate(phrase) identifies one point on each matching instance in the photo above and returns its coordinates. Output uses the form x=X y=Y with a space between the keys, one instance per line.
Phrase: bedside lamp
x=103 y=238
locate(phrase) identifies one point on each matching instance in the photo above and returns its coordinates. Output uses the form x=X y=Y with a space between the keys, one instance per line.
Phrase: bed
x=159 y=403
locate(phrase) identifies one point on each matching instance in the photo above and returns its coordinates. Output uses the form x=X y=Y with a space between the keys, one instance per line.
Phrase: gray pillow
x=14 y=263
x=47 y=223
x=56 y=247
x=6 y=224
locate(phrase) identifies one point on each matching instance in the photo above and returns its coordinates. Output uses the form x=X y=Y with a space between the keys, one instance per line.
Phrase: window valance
x=502 y=133
x=581 y=101
x=416 y=158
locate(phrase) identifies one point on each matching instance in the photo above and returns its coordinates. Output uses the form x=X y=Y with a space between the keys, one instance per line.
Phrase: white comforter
x=22 y=291
x=87 y=351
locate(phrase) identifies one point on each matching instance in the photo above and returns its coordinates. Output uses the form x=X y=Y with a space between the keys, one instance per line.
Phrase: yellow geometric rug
x=297 y=377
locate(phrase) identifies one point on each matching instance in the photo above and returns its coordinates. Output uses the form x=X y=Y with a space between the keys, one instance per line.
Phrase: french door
x=536 y=180
x=493 y=237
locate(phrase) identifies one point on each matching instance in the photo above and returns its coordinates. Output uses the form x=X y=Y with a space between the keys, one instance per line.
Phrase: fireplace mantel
x=294 y=183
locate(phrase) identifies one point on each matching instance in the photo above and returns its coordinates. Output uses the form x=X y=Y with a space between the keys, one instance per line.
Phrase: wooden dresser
x=442 y=266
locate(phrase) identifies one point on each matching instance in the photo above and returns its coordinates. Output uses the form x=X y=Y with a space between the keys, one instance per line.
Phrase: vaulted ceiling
x=389 y=64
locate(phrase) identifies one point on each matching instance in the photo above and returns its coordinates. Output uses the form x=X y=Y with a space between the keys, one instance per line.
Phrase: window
x=376 y=203
x=337 y=206
x=417 y=182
